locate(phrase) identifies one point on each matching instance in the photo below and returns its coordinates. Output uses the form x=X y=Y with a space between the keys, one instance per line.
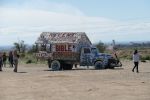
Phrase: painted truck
x=62 y=50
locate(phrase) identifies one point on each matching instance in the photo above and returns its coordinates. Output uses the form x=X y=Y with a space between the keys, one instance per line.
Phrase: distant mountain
x=6 y=48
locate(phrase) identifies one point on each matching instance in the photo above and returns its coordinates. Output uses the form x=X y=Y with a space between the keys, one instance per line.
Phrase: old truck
x=62 y=50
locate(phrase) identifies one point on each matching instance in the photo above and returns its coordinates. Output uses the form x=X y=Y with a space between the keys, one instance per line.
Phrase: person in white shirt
x=136 y=59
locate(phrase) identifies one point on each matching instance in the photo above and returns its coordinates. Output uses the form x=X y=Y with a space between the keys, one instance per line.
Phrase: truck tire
x=99 y=65
x=67 y=66
x=55 y=65
x=111 y=63
x=111 y=66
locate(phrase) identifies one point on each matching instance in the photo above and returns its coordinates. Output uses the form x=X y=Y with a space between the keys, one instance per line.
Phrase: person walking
x=4 y=59
x=1 y=61
x=15 y=60
x=136 y=59
x=10 y=58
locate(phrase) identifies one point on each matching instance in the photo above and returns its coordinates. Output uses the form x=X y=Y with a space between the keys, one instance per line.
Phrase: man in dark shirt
x=1 y=61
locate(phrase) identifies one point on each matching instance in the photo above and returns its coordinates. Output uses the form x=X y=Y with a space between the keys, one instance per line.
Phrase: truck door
x=85 y=57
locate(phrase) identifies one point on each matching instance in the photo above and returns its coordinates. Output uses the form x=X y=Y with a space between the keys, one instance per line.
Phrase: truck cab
x=90 y=57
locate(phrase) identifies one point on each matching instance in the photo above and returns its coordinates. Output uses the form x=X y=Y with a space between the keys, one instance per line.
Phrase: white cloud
x=28 y=22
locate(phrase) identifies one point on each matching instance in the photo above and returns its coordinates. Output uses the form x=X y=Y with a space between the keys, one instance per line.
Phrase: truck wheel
x=99 y=65
x=55 y=65
x=111 y=66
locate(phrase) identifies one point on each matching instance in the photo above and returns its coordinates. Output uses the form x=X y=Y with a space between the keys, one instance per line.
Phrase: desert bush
x=29 y=61
x=143 y=60
x=22 y=55
x=147 y=57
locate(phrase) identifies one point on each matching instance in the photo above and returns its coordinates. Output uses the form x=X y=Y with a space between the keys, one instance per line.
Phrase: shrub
x=147 y=57
x=22 y=55
x=143 y=60
x=29 y=61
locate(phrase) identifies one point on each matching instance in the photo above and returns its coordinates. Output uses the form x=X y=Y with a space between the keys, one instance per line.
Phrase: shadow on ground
x=86 y=69
x=21 y=72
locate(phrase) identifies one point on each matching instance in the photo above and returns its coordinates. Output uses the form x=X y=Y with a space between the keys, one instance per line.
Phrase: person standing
x=4 y=59
x=15 y=60
x=10 y=58
x=136 y=59
x=1 y=61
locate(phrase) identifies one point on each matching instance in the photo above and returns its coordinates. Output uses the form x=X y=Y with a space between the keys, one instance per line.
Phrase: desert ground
x=37 y=82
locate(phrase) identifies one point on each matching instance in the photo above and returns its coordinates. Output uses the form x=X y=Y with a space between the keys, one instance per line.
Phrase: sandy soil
x=36 y=82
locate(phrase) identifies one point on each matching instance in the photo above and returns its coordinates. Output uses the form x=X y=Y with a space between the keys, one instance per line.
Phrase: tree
x=17 y=46
x=101 y=46
x=33 y=49
x=20 y=46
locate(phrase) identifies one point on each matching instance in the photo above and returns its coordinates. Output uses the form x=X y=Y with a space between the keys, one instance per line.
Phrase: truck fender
x=98 y=60
x=99 y=65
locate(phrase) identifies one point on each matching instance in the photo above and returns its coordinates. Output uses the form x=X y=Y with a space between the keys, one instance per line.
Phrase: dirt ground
x=37 y=82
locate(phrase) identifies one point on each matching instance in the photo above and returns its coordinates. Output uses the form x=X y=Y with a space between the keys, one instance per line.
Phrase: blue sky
x=102 y=20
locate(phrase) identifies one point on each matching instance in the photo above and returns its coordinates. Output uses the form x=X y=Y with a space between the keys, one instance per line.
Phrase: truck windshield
x=94 y=51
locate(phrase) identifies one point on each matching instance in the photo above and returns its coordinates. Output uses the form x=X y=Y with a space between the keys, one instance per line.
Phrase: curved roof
x=63 y=37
